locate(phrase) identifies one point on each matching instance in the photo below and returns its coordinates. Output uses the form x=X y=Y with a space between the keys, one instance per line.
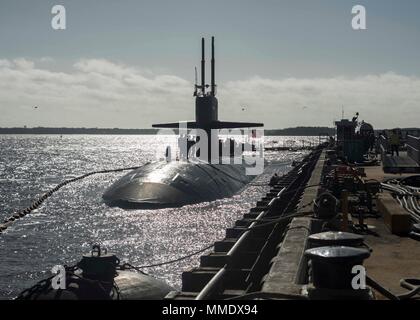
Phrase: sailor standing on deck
x=394 y=141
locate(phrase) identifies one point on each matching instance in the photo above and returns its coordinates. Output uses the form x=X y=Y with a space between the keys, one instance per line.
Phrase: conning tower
x=206 y=104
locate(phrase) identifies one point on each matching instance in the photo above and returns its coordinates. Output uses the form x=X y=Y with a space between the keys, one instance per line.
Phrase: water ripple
x=75 y=218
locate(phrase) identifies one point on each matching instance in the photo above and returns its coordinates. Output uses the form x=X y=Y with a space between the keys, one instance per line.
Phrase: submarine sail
x=177 y=183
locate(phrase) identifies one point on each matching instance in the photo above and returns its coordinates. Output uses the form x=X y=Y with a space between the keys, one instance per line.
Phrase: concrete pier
x=242 y=263
x=271 y=263
x=289 y=267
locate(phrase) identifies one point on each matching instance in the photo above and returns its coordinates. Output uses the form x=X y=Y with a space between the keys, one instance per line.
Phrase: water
x=75 y=218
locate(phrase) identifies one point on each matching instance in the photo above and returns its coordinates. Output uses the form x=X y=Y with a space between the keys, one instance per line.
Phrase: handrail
x=242 y=238
x=211 y=285
x=413 y=148
x=383 y=145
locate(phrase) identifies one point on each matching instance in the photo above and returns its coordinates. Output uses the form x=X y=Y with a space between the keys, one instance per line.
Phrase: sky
x=285 y=63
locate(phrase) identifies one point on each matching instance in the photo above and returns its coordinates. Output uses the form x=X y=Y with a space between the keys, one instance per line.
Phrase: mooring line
x=39 y=201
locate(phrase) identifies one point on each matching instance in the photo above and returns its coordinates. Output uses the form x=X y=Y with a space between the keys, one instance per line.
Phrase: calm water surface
x=75 y=218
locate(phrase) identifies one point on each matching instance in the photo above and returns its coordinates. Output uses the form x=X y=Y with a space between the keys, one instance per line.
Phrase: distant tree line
x=298 y=131
x=44 y=130
x=301 y=131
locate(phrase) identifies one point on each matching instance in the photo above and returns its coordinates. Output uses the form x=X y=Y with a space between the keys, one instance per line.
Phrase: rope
x=269 y=296
x=413 y=285
x=38 y=202
x=44 y=284
x=129 y=266
x=273 y=221
x=405 y=197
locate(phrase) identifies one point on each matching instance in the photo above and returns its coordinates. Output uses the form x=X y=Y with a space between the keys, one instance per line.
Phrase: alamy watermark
x=58 y=22
x=358 y=22
x=215 y=146
x=358 y=282
x=59 y=280
x=359 y=17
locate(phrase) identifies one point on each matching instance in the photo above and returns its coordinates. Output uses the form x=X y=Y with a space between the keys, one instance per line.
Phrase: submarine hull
x=174 y=184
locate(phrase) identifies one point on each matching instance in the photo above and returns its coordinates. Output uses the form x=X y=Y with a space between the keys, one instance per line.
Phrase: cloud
x=385 y=100
x=95 y=92
x=103 y=66
x=22 y=63
x=101 y=93
x=5 y=63
x=46 y=59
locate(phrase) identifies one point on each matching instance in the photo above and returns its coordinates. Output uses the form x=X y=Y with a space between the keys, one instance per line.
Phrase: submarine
x=177 y=183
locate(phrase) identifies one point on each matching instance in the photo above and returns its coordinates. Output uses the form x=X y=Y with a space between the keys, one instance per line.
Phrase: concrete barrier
x=288 y=270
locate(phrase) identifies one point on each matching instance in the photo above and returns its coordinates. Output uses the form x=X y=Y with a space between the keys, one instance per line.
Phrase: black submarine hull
x=175 y=184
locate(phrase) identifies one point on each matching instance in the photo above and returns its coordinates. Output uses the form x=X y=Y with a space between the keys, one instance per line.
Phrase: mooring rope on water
x=129 y=266
x=286 y=215
x=265 y=223
x=38 y=202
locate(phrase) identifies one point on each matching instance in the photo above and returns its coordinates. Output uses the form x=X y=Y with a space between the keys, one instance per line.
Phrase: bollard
x=333 y=238
x=332 y=273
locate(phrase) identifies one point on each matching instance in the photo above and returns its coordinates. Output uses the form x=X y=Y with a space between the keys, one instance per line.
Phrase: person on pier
x=394 y=141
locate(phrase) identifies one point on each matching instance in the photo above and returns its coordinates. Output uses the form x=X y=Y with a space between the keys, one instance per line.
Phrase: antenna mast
x=195 y=84
x=213 y=84
x=203 y=68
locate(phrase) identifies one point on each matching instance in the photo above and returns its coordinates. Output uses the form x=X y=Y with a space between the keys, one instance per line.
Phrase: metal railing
x=413 y=148
x=383 y=146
